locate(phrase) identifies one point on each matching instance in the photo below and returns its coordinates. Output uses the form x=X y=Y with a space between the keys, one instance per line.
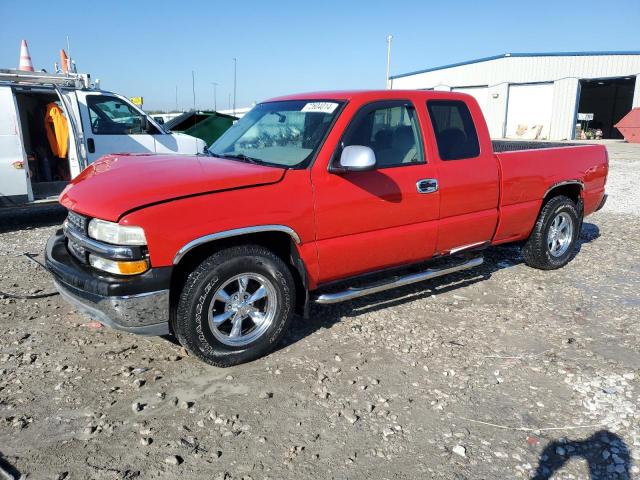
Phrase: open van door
x=113 y=125
x=77 y=153
x=14 y=168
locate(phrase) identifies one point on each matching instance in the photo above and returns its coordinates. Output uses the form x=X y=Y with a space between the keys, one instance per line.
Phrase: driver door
x=113 y=126
x=370 y=220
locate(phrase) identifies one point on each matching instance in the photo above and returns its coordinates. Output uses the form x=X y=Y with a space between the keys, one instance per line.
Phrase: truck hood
x=119 y=183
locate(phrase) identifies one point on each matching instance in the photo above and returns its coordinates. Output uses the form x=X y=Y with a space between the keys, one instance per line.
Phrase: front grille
x=79 y=224
x=77 y=251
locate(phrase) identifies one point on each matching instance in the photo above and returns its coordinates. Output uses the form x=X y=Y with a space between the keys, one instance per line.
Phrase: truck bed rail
x=500 y=146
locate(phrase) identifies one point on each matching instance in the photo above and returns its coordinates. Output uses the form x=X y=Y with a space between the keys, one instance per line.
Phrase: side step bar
x=351 y=292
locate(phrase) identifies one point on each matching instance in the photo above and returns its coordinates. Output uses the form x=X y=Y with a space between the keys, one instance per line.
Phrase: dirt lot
x=502 y=372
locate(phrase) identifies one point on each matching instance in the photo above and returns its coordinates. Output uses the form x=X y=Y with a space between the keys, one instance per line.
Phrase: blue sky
x=148 y=47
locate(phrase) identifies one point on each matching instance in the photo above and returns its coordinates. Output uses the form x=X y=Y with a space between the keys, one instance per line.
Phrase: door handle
x=427 y=185
x=91 y=146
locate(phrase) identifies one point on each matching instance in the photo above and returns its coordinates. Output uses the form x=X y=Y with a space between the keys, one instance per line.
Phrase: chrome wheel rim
x=560 y=234
x=242 y=309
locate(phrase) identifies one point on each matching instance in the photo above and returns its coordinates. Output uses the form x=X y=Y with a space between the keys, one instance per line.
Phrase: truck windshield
x=283 y=134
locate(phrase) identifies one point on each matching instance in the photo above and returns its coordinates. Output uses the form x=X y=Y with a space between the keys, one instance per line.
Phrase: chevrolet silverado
x=318 y=197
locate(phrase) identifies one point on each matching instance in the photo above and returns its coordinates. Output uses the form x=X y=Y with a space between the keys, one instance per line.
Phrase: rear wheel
x=235 y=306
x=553 y=240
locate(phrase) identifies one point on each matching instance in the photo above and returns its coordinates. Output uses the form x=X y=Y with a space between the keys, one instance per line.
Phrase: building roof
x=508 y=55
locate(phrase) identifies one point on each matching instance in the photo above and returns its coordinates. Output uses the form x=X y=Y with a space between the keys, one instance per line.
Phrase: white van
x=99 y=122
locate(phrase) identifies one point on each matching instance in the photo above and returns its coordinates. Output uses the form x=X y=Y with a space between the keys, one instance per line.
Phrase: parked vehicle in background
x=39 y=156
x=206 y=125
x=303 y=199
x=163 y=118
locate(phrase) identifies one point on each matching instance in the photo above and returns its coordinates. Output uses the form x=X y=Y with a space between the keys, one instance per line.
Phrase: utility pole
x=177 y=98
x=193 y=87
x=235 y=68
x=389 y=38
x=215 y=104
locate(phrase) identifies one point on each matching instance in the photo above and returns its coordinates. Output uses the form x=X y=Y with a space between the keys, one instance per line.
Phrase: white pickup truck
x=98 y=123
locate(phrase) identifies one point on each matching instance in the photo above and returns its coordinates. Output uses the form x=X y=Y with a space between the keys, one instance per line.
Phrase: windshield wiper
x=240 y=156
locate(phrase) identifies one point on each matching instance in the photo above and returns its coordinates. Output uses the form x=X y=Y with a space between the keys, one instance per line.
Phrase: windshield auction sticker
x=320 y=107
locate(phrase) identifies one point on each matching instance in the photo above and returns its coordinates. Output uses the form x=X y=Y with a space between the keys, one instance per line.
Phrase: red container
x=629 y=126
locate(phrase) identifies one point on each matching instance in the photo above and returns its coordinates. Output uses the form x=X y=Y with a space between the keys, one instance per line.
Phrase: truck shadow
x=496 y=258
x=607 y=456
x=325 y=316
x=589 y=233
x=14 y=219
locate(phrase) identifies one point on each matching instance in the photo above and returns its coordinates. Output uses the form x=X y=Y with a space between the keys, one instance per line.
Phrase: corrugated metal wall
x=497 y=74
x=564 y=108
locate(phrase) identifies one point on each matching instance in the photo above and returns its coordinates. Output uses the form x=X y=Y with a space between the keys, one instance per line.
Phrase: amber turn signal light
x=119 y=267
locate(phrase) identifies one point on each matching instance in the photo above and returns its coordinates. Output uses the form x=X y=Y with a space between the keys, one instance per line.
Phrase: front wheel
x=553 y=240
x=235 y=306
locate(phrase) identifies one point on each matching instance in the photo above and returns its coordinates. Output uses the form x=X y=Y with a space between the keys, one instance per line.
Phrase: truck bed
x=527 y=174
x=514 y=145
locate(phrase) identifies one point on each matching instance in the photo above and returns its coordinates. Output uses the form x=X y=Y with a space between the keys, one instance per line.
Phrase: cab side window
x=111 y=116
x=391 y=130
x=454 y=129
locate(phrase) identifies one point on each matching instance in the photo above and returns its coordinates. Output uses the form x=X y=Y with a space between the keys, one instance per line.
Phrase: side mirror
x=357 y=158
x=144 y=124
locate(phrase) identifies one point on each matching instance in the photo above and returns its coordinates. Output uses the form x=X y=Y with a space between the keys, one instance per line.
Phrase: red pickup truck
x=301 y=200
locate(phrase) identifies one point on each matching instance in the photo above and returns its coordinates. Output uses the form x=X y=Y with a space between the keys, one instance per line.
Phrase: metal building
x=542 y=95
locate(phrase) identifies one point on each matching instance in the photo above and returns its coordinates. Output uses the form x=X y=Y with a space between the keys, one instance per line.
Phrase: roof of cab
x=353 y=94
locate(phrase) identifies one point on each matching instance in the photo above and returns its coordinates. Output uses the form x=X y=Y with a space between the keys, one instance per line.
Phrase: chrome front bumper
x=144 y=314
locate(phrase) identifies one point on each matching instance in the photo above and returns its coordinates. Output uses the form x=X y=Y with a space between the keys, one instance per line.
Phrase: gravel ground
x=502 y=372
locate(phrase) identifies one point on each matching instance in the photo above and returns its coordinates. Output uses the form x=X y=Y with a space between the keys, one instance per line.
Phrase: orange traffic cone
x=25 y=58
x=64 y=61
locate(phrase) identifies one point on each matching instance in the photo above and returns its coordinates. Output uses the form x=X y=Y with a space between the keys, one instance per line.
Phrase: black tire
x=536 y=250
x=191 y=325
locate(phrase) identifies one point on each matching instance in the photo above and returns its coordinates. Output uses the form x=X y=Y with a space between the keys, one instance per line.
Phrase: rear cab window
x=454 y=129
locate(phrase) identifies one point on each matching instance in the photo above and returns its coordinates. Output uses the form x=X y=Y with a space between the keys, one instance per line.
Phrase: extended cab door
x=380 y=218
x=467 y=173
x=112 y=125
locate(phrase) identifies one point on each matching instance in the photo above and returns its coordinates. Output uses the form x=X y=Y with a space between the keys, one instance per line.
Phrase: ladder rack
x=74 y=80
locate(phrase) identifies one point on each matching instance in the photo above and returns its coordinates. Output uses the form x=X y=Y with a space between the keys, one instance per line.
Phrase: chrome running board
x=355 y=292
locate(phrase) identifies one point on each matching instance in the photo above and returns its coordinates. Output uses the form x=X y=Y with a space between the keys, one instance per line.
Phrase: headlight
x=115 y=233
x=119 y=267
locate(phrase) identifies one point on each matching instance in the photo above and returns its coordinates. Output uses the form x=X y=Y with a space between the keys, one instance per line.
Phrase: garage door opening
x=608 y=100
